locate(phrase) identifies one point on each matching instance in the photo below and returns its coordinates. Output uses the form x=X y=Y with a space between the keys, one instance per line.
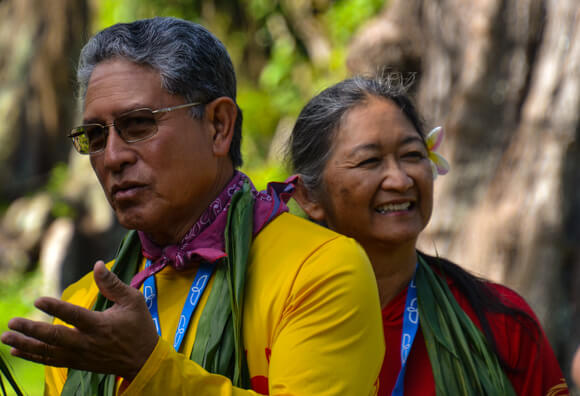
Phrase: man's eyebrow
x=117 y=113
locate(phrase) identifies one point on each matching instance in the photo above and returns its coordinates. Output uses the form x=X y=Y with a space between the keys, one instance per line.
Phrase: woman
x=364 y=170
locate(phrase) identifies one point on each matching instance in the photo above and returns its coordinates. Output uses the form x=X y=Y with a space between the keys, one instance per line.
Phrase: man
x=238 y=294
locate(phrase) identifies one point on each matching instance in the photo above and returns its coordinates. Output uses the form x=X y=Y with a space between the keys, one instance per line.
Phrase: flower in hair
x=439 y=165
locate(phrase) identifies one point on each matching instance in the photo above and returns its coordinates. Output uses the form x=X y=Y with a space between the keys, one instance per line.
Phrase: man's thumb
x=109 y=284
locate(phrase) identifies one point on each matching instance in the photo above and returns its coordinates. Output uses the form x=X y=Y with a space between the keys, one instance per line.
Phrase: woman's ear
x=311 y=206
x=221 y=114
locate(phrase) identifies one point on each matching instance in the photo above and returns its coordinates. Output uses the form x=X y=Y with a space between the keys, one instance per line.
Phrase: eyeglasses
x=132 y=126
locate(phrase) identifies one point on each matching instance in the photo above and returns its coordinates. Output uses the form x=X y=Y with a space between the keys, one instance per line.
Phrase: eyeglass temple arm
x=182 y=106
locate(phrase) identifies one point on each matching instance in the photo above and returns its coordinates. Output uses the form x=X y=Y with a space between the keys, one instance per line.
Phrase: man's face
x=160 y=185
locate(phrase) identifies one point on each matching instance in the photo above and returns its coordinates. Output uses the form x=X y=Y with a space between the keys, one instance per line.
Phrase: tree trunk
x=39 y=43
x=503 y=77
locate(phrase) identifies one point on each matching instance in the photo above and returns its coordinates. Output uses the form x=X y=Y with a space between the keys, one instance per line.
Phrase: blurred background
x=502 y=77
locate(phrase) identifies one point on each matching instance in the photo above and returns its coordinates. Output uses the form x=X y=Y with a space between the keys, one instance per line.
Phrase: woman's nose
x=396 y=178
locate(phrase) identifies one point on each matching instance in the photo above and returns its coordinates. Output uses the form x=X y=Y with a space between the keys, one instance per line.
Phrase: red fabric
x=538 y=372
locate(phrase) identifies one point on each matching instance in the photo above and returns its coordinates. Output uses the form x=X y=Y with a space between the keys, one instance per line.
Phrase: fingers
x=46 y=333
x=38 y=341
x=25 y=347
x=79 y=317
x=111 y=286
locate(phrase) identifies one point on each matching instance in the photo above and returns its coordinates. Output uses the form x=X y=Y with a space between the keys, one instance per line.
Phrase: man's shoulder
x=292 y=241
x=294 y=232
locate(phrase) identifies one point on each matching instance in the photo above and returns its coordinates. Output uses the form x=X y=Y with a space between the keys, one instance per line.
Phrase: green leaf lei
x=461 y=359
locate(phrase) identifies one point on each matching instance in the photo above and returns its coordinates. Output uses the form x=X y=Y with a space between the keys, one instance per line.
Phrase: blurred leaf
x=6 y=374
x=17 y=294
x=58 y=177
x=346 y=16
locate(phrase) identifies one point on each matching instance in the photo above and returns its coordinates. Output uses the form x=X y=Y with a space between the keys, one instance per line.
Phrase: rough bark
x=39 y=41
x=503 y=77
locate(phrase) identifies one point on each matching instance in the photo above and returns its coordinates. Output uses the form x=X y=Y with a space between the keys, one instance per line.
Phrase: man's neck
x=178 y=232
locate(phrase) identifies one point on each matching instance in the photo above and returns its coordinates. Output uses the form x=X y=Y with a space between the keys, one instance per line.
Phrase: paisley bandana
x=205 y=240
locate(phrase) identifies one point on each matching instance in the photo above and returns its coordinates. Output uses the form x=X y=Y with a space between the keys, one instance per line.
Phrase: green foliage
x=346 y=16
x=58 y=177
x=3 y=207
x=6 y=375
x=16 y=299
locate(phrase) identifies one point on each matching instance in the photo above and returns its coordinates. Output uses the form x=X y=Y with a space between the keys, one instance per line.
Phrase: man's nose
x=117 y=153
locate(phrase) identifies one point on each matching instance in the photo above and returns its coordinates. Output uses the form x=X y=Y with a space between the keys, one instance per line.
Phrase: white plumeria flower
x=439 y=165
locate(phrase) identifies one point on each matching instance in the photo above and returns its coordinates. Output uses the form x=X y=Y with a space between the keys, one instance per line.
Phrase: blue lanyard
x=197 y=287
x=410 y=326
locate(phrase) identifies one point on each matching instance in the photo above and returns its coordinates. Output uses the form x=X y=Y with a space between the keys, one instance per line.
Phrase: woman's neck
x=394 y=268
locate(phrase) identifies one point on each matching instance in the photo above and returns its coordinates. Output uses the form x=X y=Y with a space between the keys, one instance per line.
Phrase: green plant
x=7 y=375
x=17 y=294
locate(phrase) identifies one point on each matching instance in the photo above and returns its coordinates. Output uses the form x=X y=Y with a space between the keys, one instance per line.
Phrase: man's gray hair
x=191 y=61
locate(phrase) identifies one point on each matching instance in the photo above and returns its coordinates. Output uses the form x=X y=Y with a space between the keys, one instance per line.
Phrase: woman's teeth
x=393 y=207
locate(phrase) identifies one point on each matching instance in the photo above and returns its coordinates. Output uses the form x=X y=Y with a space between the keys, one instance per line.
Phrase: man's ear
x=221 y=114
x=310 y=205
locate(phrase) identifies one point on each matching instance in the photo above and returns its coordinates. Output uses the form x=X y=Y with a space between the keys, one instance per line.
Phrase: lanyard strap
x=197 y=287
x=410 y=326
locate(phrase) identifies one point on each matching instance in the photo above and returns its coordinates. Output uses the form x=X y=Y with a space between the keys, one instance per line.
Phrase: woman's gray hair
x=311 y=142
x=192 y=62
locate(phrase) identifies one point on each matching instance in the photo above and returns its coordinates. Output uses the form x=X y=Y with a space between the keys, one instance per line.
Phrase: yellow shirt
x=312 y=323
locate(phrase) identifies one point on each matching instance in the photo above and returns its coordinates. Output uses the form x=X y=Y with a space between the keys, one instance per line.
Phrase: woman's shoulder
x=493 y=298
x=510 y=297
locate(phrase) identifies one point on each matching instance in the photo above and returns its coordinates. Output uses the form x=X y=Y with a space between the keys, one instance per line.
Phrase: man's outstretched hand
x=117 y=341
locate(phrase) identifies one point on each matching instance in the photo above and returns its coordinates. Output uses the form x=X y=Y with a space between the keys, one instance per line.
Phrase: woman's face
x=377 y=184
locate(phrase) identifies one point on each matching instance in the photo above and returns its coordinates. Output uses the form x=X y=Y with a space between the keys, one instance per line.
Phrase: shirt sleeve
x=167 y=372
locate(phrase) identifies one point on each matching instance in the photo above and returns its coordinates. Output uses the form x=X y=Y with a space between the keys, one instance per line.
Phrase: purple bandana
x=205 y=240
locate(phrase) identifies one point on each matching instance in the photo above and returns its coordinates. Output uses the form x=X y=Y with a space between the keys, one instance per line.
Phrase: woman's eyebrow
x=412 y=139
x=364 y=147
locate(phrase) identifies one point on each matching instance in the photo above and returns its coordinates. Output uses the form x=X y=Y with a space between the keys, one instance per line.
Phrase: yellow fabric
x=308 y=291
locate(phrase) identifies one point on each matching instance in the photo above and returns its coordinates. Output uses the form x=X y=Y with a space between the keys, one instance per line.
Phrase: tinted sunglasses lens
x=137 y=125
x=88 y=139
x=96 y=138
x=80 y=142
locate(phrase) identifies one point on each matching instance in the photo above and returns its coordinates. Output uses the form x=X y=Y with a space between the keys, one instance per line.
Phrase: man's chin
x=131 y=219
